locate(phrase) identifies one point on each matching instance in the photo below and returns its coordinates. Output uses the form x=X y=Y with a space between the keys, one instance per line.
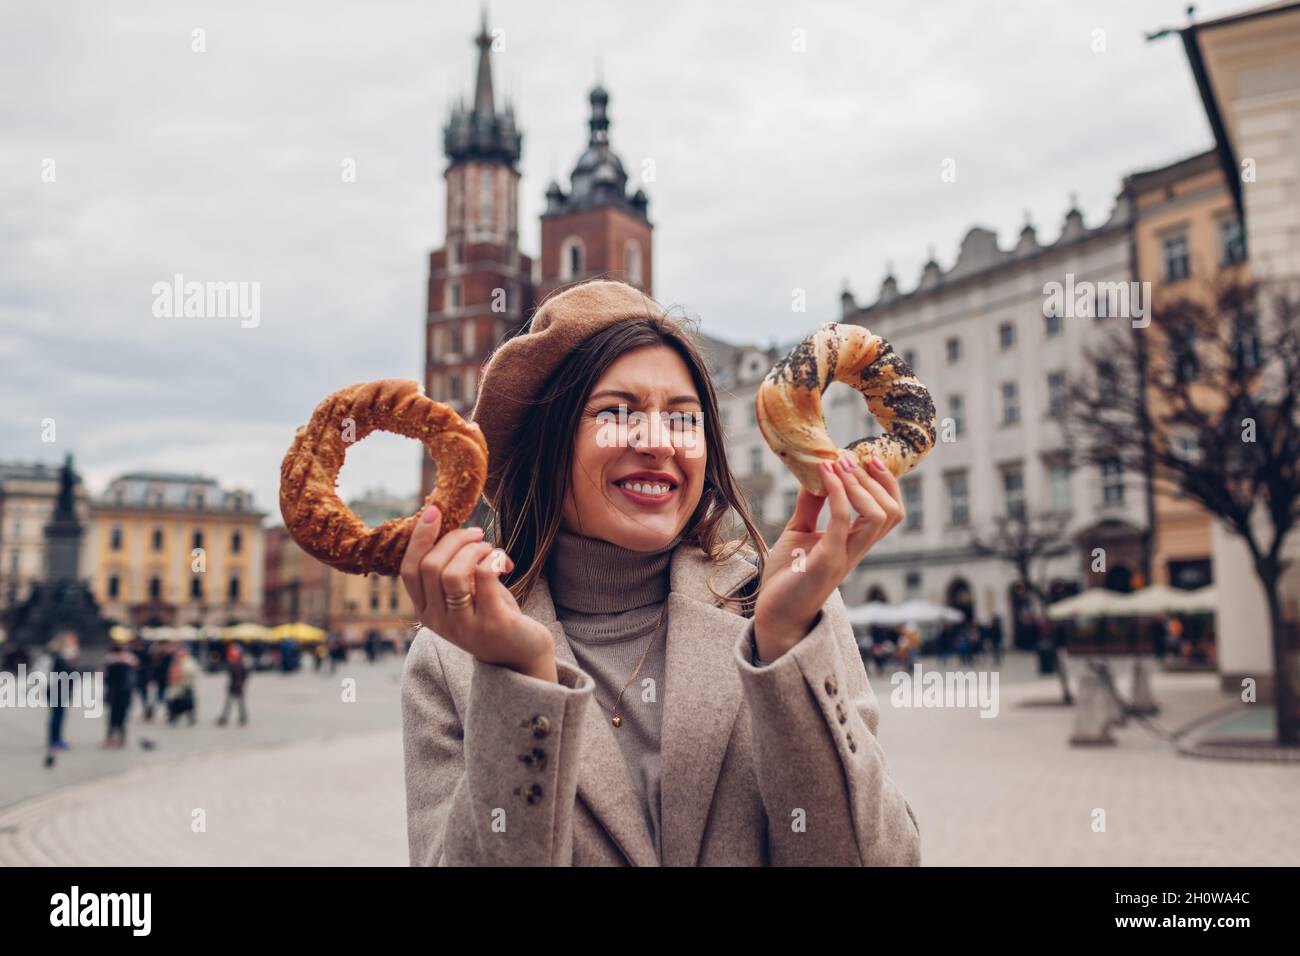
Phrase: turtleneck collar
x=594 y=576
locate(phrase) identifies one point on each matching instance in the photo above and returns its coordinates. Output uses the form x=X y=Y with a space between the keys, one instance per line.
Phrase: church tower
x=596 y=229
x=480 y=285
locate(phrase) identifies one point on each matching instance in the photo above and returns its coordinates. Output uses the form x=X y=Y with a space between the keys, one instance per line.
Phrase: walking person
x=642 y=691
x=182 y=677
x=237 y=668
x=63 y=653
x=120 y=668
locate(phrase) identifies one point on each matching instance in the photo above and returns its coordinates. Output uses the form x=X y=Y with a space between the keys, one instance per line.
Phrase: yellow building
x=1186 y=235
x=176 y=549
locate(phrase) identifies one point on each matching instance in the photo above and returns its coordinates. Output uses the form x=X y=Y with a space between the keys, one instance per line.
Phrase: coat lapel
x=701 y=697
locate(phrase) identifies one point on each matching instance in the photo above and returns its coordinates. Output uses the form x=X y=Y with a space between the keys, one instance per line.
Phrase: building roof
x=480 y=132
x=598 y=179
x=156 y=489
x=1147 y=180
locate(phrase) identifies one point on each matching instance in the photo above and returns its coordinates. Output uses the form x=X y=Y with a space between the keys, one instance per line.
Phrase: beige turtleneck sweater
x=608 y=599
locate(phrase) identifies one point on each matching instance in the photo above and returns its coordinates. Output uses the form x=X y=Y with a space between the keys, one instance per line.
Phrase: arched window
x=572 y=258
x=632 y=262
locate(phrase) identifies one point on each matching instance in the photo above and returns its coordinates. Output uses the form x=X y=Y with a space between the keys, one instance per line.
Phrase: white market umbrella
x=1094 y=602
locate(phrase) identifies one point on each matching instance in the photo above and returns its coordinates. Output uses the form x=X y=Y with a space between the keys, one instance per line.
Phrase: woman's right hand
x=491 y=627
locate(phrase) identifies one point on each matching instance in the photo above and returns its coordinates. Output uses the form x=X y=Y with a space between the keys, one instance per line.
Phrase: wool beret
x=519 y=369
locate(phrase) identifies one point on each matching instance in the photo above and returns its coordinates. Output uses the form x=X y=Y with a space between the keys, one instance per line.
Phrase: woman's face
x=639 y=454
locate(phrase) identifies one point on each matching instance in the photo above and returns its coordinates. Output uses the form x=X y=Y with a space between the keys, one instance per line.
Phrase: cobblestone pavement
x=323 y=786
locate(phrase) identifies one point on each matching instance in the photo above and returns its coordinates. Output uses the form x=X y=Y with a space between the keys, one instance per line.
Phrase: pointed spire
x=483 y=103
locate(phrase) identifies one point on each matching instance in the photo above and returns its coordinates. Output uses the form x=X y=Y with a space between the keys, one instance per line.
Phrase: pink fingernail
x=430 y=514
x=875 y=460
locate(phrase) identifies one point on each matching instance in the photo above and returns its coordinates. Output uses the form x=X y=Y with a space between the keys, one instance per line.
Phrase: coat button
x=541 y=726
x=532 y=793
x=832 y=688
x=853 y=744
x=839 y=712
x=535 y=759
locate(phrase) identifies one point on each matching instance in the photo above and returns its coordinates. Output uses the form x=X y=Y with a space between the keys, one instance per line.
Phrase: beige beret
x=520 y=367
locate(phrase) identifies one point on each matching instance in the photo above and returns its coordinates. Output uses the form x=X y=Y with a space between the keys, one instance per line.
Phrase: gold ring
x=459 y=600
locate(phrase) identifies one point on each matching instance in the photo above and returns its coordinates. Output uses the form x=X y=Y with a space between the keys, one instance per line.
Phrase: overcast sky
x=775 y=170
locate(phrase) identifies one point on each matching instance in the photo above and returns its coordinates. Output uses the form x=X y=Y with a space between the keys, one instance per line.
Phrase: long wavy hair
x=537 y=476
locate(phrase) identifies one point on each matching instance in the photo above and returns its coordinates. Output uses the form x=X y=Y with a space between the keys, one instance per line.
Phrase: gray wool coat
x=761 y=766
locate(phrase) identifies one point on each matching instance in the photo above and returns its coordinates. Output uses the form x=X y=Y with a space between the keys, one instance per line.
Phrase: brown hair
x=536 y=478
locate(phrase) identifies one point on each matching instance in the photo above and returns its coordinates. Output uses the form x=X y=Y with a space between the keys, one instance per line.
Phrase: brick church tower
x=597 y=229
x=480 y=285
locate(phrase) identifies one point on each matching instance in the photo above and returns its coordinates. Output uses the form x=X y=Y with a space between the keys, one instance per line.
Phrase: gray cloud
x=775 y=170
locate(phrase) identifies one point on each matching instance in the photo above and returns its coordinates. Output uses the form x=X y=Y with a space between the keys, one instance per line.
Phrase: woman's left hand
x=806 y=565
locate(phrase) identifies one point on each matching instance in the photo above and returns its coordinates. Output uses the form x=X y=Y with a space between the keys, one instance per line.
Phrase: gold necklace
x=615 y=719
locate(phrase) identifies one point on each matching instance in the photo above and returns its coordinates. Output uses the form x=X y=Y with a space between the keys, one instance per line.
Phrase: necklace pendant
x=617 y=721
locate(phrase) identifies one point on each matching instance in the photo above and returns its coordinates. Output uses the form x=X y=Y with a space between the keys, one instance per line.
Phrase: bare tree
x=1204 y=399
x=1026 y=543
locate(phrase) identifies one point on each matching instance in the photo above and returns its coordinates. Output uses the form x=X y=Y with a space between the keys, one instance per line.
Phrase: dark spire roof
x=482 y=133
x=598 y=179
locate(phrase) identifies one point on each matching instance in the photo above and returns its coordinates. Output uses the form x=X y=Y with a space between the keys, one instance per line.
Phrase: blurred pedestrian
x=338 y=651
x=162 y=673
x=182 y=676
x=120 y=667
x=372 y=646
x=63 y=653
x=995 y=638
x=237 y=668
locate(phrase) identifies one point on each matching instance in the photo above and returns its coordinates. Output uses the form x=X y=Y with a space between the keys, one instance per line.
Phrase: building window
x=571 y=258
x=632 y=262
x=1006 y=336
x=157 y=539
x=755 y=460
x=197 y=539
x=468 y=342
x=958 y=499
x=453 y=388
x=1055 y=394
x=233 y=591
x=236 y=542
x=957 y=412
x=1245 y=344
x=1059 y=480
x=114 y=587
x=1177 y=258
x=1052 y=324
x=912 y=581
x=115 y=539
x=1187 y=366
x=155 y=588
x=1232 y=242
x=1013 y=491
x=485 y=185
x=374 y=601
x=1112 y=482
x=453 y=296
x=1010 y=403
x=912 y=503
x=196 y=588
x=954 y=350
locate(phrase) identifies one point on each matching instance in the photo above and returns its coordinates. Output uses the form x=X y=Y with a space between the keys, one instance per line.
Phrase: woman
x=593 y=692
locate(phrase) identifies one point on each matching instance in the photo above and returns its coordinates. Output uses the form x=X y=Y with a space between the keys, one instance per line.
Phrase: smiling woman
x=749 y=737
